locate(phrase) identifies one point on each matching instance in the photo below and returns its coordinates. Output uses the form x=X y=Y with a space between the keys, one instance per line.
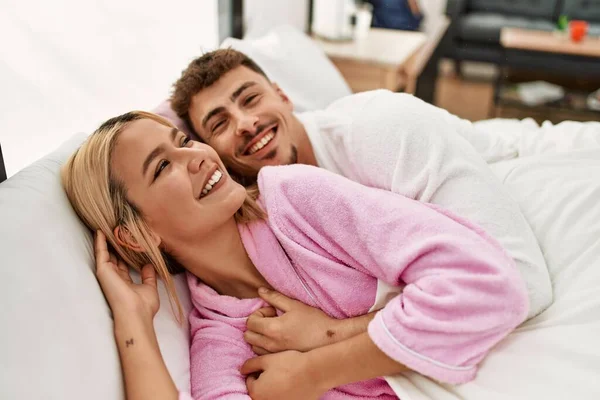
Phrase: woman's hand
x=284 y=375
x=300 y=328
x=125 y=297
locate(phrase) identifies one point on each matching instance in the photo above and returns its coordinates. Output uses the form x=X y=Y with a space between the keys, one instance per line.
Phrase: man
x=381 y=139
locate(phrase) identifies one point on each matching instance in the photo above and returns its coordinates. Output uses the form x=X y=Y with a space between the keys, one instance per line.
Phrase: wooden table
x=386 y=58
x=549 y=42
x=541 y=47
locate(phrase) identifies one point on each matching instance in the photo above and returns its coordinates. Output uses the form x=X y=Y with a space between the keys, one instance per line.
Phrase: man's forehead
x=228 y=84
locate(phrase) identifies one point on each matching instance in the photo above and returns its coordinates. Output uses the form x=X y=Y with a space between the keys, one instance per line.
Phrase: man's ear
x=126 y=239
x=282 y=95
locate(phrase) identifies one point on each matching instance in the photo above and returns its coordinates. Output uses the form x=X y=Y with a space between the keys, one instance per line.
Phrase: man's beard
x=293 y=156
x=248 y=180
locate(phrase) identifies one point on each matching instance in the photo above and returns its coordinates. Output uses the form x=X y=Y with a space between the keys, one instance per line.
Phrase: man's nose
x=247 y=125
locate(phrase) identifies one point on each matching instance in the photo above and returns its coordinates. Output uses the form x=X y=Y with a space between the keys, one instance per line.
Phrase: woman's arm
x=134 y=307
x=144 y=370
x=217 y=353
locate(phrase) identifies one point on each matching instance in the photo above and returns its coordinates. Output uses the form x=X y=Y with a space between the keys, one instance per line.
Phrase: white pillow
x=56 y=340
x=298 y=65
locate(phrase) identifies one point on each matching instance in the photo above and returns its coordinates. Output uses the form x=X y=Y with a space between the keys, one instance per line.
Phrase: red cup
x=578 y=30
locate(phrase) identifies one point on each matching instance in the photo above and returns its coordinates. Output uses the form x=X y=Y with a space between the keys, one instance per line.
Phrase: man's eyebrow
x=233 y=98
x=157 y=151
x=239 y=90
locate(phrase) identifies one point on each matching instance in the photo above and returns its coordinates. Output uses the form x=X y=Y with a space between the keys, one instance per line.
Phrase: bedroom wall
x=66 y=65
x=262 y=15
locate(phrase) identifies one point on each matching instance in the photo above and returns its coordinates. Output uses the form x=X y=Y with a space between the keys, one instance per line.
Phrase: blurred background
x=69 y=64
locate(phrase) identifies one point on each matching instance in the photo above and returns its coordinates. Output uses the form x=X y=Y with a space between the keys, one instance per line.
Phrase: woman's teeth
x=216 y=177
x=262 y=143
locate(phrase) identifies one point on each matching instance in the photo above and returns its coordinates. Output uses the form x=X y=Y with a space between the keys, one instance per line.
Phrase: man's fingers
x=259 y=324
x=149 y=275
x=256 y=339
x=260 y=351
x=250 y=382
x=267 y=312
x=276 y=299
x=253 y=365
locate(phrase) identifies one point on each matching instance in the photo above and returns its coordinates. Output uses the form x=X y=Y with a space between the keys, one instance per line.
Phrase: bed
x=56 y=340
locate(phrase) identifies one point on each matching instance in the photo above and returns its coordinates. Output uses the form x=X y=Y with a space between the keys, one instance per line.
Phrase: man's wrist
x=350 y=327
x=351 y=360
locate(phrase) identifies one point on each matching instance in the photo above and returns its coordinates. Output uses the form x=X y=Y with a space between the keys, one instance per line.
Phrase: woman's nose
x=195 y=163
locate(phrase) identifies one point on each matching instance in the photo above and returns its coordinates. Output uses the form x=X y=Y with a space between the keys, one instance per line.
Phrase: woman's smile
x=213 y=182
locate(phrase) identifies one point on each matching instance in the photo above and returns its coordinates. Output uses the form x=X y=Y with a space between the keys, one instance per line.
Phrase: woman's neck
x=222 y=263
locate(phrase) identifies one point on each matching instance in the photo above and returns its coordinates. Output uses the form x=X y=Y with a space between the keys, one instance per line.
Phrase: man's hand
x=300 y=328
x=284 y=375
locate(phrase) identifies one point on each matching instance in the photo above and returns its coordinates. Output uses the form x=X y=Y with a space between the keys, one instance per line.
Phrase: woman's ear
x=126 y=239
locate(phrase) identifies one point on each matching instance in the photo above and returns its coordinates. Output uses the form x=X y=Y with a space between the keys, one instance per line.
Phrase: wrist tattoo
x=129 y=342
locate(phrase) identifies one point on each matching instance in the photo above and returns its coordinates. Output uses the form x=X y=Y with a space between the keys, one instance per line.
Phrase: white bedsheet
x=506 y=139
x=555 y=355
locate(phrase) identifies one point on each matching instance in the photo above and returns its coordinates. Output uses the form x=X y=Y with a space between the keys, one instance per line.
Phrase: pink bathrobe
x=328 y=242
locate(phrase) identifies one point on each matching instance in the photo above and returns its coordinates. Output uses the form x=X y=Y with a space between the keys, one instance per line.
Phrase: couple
x=340 y=249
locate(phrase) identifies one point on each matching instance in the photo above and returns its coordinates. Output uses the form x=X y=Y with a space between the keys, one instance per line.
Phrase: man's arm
x=463 y=293
x=307 y=376
x=351 y=360
x=300 y=327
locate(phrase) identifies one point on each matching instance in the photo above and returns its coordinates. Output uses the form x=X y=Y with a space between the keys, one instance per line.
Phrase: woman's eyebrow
x=156 y=152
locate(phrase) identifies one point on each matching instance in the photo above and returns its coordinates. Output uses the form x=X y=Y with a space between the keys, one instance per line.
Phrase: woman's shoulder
x=283 y=173
x=298 y=181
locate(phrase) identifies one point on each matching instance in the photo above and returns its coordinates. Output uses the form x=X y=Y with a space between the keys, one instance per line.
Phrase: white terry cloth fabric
x=505 y=139
x=397 y=142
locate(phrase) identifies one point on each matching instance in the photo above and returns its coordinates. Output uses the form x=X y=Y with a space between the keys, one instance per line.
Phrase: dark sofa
x=474 y=33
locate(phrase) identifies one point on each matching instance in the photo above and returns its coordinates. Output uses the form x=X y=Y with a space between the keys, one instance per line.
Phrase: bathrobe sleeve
x=217 y=353
x=463 y=293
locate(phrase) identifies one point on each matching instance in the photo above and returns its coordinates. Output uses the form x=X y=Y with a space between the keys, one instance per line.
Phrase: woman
x=312 y=235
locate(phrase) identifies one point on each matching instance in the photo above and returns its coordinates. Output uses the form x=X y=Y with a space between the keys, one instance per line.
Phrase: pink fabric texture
x=326 y=242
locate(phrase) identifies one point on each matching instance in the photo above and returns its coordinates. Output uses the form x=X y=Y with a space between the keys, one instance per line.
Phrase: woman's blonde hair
x=100 y=200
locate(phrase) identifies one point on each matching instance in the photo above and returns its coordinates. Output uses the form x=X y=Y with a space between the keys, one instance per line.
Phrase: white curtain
x=66 y=65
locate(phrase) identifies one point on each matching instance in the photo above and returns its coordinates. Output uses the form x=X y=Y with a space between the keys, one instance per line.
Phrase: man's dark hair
x=203 y=72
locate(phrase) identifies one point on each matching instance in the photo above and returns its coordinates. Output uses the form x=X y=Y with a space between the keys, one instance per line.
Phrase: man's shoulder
x=369 y=98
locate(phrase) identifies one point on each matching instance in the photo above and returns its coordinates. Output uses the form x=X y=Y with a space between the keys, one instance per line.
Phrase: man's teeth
x=216 y=177
x=262 y=143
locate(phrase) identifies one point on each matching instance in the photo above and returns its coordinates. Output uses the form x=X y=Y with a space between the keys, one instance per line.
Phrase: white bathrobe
x=397 y=142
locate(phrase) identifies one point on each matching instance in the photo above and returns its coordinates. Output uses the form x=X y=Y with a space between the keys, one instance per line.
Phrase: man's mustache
x=259 y=129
